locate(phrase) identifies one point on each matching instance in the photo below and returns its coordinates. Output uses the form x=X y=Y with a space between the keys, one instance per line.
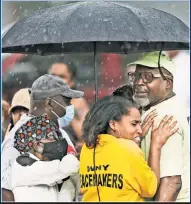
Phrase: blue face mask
x=67 y=118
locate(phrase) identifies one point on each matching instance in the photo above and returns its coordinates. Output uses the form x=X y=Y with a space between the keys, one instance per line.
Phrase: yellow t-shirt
x=175 y=154
x=122 y=173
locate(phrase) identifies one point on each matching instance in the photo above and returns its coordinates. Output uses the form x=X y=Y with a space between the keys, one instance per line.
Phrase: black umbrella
x=115 y=27
x=96 y=27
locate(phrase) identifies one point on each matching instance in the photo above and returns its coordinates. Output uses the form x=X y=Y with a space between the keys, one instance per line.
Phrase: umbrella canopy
x=115 y=27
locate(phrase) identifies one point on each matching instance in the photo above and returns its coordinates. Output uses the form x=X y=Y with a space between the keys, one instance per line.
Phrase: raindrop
x=120 y=77
x=101 y=62
x=20 y=7
x=90 y=14
x=44 y=30
x=105 y=20
x=17 y=79
x=112 y=81
x=45 y=37
x=105 y=78
x=108 y=58
x=20 y=82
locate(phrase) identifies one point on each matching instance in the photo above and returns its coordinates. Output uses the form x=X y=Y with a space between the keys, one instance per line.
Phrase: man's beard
x=141 y=102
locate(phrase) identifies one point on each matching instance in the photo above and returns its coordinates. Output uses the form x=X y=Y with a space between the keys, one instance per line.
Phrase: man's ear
x=48 y=104
x=169 y=83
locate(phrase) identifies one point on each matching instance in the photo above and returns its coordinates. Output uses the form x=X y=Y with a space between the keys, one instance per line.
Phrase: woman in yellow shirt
x=112 y=166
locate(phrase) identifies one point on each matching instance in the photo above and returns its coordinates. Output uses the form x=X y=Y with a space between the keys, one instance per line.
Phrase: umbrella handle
x=161 y=73
x=95 y=74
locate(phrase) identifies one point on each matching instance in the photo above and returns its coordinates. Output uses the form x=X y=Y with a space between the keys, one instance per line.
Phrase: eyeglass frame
x=140 y=73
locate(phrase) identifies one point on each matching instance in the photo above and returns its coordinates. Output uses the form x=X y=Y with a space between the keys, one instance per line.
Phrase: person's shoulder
x=129 y=146
x=172 y=107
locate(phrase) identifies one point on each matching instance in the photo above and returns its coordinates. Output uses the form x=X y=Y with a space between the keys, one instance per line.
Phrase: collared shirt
x=175 y=154
x=121 y=171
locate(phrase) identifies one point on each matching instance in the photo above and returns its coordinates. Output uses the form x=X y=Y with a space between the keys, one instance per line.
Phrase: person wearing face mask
x=112 y=166
x=50 y=95
x=41 y=173
x=67 y=71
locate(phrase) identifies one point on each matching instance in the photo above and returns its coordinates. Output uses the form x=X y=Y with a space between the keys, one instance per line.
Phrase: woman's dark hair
x=97 y=120
x=125 y=91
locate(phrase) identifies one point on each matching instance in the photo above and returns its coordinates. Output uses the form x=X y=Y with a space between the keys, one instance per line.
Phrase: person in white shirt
x=50 y=95
x=155 y=92
x=41 y=141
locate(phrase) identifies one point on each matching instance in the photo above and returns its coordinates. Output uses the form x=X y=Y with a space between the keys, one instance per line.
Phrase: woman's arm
x=159 y=137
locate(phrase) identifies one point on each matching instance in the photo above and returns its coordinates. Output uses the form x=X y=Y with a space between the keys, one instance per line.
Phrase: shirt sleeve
x=9 y=154
x=44 y=173
x=141 y=177
x=171 y=156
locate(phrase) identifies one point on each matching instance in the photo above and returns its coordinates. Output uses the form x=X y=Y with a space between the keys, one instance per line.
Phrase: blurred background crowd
x=77 y=70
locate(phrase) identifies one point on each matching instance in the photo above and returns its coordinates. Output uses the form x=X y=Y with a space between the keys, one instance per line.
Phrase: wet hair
x=70 y=65
x=125 y=91
x=102 y=112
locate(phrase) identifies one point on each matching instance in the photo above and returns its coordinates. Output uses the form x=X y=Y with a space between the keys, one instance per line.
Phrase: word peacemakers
x=101 y=178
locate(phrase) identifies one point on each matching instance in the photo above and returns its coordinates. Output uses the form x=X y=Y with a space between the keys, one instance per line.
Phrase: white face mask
x=67 y=118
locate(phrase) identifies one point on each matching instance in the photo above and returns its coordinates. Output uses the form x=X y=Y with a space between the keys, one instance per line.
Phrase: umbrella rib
x=135 y=16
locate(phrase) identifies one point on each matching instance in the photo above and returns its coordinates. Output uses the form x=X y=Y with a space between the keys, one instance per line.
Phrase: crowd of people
x=133 y=145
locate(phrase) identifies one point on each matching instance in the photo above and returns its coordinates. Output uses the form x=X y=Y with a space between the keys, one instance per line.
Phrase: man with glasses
x=153 y=90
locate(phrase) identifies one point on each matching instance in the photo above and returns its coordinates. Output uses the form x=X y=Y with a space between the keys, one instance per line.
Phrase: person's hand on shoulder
x=166 y=129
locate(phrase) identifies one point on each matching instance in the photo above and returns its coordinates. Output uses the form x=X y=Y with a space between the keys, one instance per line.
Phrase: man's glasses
x=147 y=77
